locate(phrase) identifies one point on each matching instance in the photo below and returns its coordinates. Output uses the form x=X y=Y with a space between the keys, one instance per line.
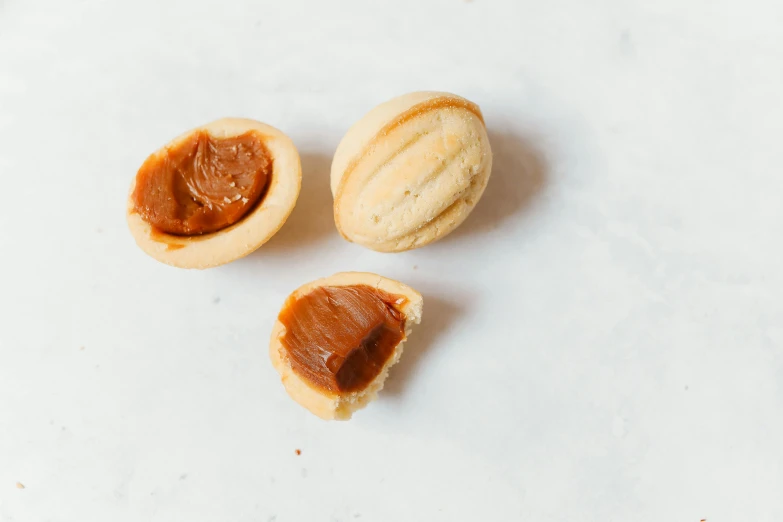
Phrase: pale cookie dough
x=410 y=171
x=337 y=405
x=254 y=229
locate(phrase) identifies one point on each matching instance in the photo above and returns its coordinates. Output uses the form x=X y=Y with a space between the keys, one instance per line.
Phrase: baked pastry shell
x=323 y=403
x=379 y=131
x=250 y=232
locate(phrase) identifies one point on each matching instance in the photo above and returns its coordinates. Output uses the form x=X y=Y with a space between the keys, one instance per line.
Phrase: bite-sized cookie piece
x=410 y=171
x=214 y=194
x=336 y=338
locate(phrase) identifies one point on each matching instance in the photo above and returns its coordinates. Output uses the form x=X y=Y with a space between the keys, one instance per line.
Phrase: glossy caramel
x=340 y=338
x=202 y=184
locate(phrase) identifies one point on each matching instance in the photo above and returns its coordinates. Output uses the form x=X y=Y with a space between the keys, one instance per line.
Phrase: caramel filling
x=339 y=338
x=203 y=184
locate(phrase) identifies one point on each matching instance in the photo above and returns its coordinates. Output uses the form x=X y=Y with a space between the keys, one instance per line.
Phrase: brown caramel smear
x=340 y=337
x=203 y=184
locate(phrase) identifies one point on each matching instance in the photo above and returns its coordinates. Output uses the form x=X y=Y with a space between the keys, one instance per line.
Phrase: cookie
x=214 y=194
x=336 y=338
x=410 y=171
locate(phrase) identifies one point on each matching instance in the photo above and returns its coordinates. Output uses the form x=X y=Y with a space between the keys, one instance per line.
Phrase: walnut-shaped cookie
x=410 y=171
x=214 y=194
x=336 y=338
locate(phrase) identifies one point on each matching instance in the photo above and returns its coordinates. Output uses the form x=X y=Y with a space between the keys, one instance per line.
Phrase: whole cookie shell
x=253 y=230
x=410 y=171
x=327 y=405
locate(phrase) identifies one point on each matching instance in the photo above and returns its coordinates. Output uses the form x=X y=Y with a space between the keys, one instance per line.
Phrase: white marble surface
x=602 y=338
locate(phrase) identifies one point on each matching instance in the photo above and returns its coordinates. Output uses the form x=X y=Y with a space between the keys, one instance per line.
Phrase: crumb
x=415 y=267
x=99 y=230
x=216 y=300
x=298 y=451
x=81 y=348
x=686 y=389
x=19 y=485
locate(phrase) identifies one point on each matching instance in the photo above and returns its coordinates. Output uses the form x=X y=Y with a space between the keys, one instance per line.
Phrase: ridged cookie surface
x=410 y=171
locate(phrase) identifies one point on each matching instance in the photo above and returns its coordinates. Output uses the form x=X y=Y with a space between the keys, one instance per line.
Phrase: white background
x=601 y=339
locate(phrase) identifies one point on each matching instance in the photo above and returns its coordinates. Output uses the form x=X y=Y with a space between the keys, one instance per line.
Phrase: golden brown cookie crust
x=253 y=230
x=331 y=405
x=410 y=171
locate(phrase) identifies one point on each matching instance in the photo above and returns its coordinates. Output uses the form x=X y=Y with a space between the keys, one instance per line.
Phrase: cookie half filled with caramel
x=214 y=194
x=336 y=338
